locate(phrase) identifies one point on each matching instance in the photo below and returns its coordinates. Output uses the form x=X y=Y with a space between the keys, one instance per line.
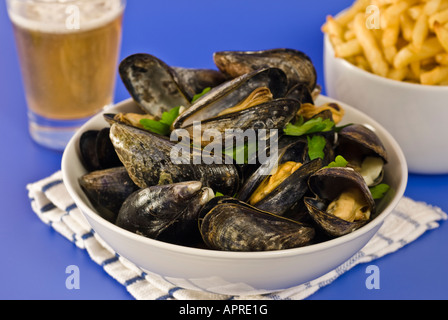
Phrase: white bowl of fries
x=397 y=74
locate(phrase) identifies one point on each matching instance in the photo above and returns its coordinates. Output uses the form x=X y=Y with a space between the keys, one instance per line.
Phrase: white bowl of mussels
x=206 y=218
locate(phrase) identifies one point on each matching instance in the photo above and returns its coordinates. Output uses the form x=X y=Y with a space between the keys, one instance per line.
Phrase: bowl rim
x=213 y=254
x=374 y=77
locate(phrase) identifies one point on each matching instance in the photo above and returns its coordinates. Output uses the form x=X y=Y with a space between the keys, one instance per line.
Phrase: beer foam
x=61 y=16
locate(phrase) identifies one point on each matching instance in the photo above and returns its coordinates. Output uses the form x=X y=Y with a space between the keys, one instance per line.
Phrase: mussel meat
x=342 y=202
x=364 y=151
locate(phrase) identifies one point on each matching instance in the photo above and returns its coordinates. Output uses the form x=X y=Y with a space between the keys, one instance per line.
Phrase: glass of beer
x=68 y=52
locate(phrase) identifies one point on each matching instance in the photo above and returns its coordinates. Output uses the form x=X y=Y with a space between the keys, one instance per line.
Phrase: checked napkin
x=54 y=206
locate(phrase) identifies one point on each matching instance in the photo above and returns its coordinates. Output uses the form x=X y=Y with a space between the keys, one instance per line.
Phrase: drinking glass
x=68 y=52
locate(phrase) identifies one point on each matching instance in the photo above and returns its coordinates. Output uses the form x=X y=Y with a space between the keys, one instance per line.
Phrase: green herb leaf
x=218 y=194
x=199 y=95
x=241 y=153
x=155 y=126
x=161 y=127
x=379 y=191
x=314 y=125
x=338 y=129
x=169 y=117
x=339 y=162
x=316 y=146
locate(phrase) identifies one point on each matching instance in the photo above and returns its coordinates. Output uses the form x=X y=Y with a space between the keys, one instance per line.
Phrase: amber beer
x=69 y=70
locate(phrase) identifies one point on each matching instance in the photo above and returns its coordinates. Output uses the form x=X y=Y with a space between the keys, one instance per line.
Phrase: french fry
x=441 y=17
x=398 y=74
x=334 y=30
x=442 y=34
x=415 y=68
x=409 y=54
x=415 y=11
x=420 y=32
x=390 y=53
x=349 y=35
x=371 y=50
x=351 y=12
x=407 y=26
x=362 y=63
x=442 y=58
x=348 y=49
x=435 y=76
x=391 y=14
x=411 y=44
x=390 y=35
x=431 y=7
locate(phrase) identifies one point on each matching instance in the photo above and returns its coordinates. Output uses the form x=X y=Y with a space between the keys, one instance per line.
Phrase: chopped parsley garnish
x=316 y=146
x=163 y=125
x=339 y=162
x=199 y=95
x=379 y=191
x=314 y=125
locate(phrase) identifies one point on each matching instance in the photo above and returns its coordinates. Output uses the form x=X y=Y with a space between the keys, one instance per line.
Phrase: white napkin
x=53 y=205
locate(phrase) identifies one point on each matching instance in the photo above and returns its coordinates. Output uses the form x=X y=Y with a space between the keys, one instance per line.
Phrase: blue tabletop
x=182 y=33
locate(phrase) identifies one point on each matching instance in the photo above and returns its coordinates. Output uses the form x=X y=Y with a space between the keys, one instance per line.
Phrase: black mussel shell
x=297 y=65
x=167 y=213
x=148 y=160
x=107 y=190
x=151 y=84
x=231 y=225
x=97 y=151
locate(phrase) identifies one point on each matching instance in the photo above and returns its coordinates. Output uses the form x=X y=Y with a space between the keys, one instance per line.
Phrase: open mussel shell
x=290 y=191
x=167 y=213
x=327 y=184
x=149 y=160
x=357 y=136
x=296 y=64
x=293 y=187
x=356 y=143
x=231 y=93
x=275 y=114
x=107 y=190
x=97 y=151
x=231 y=225
x=301 y=92
x=151 y=84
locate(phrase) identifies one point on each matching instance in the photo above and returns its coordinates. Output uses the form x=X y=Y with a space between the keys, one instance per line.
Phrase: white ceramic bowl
x=414 y=114
x=235 y=272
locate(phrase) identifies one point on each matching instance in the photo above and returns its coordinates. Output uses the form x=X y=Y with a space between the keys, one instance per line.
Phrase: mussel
x=97 y=151
x=167 y=213
x=231 y=225
x=152 y=85
x=194 y=81
x=364 y=151
x=342 y=202
x=107 y=190
x=296 y=64
x=232 y=93
x=279 y=187
x=149 y=160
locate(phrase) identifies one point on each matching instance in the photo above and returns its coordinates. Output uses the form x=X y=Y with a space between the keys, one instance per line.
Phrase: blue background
x=183 y=33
